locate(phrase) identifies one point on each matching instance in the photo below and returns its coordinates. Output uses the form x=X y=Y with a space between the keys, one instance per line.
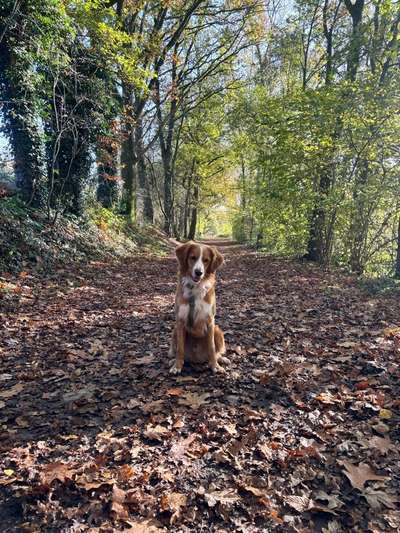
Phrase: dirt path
x=97 y=436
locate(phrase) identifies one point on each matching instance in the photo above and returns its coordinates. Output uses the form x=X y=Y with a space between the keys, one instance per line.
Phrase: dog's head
x=198 y=260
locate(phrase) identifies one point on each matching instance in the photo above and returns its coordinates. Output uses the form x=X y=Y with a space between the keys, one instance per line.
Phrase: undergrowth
x=29 y=240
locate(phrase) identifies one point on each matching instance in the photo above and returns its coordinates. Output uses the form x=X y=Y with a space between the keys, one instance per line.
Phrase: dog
x=196 y=338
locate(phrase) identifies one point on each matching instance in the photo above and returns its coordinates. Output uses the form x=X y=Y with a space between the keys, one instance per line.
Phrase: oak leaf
x=173 y=502
x=299 y=503
x=226 y=497
x=56 y=471
x=155 y=432
x=194 y=400
x=359 y=475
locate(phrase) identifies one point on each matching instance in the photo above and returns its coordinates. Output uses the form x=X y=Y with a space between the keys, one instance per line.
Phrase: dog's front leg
x=212 y=354
x=180 y=348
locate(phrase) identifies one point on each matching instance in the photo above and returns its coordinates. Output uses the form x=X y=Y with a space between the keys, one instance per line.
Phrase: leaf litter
x=301 y=433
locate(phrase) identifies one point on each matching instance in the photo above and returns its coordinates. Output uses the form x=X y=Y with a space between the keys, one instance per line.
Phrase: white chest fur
x=197 y=292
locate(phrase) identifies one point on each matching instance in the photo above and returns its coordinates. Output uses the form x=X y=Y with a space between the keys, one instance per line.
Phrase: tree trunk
x=397 y=266
x=166 y=146
x=23 y=132
x=328 y=34
x=353 y=57
x=193 y=221
x=359 y=222
x=187 y=202
x=316 y=246
x=144 y=204
x=74 y=163
x=168 y=207
x=128 y=172
x=107 y=172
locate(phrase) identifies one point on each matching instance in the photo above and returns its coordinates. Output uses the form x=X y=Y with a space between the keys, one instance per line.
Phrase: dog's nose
x=198 y=272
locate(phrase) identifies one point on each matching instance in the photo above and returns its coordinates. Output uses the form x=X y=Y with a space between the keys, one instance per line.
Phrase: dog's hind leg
x=172 y=347
x=220 y=347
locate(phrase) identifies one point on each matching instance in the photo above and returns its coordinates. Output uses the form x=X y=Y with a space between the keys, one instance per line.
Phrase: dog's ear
x=182 y=254
x=216 y=260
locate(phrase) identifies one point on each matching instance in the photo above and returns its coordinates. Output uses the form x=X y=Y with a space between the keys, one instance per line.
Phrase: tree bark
x=144 y=203
x=193 y=221
x=316 y=247
x=359 y=222
x=74 y=163
x=107 y=172
x=22 y=129
x=128 y=172
x=397 y=266
x=353 y=57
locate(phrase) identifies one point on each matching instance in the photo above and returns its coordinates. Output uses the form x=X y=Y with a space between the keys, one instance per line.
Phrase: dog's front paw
x=175 y=369
x=218 y=369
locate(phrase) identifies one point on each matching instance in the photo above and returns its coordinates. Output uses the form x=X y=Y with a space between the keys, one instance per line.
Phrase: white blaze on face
x=198 y=266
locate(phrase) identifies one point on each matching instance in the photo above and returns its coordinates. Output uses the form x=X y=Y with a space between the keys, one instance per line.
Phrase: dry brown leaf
x=175 y=392
x=117 y=504
x=326 y=398
x=382 y=444
x=156 y=432
x=22 y=422
x=8 y=393
x=57 y=470
x=299 y=503
x=147 y=525
x=145 y=360
x=226 y=497
x=125 y=472
x=173 y=502
x=179 y=448
x=377 y=498
x=194 y=400
x=359 y=475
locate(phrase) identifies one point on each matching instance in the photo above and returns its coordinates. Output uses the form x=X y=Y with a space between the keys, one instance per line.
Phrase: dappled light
x=199 y=266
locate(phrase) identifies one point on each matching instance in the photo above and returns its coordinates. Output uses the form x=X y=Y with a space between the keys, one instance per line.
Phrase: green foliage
x=106 y=219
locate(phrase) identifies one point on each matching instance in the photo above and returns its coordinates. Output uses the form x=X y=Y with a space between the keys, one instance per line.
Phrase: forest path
x=96 y=435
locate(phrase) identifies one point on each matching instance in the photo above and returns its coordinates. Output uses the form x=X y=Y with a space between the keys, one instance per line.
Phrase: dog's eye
x=193 y=258
x=206 y=260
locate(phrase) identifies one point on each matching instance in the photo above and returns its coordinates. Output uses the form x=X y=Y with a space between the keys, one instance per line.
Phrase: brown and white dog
x=196 y=338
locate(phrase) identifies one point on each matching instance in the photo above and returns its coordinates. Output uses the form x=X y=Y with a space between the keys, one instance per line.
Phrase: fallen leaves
x=94 y=431
x=56 y=471
x=117 y=503
x=173 y=502
x=226 y=497
x=326 y=398
x=194 y=400
x=377 y=499
x=156 y=432
x=385 y=414
x=359 y=475
x=9 y=393
x=299 y=503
